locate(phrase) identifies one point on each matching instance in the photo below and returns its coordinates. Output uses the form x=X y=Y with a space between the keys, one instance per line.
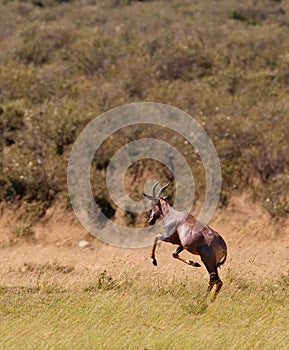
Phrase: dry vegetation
x=63 y=63
x=125 y=312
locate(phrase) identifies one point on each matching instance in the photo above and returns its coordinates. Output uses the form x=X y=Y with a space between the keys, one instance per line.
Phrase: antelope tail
x=220 y=263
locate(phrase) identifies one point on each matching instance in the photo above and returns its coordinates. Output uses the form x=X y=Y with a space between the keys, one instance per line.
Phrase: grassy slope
x=145 y=314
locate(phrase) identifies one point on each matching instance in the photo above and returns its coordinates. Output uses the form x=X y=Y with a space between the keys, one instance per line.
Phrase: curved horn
x=161 y=190
x=154 y=188
x=151 y=198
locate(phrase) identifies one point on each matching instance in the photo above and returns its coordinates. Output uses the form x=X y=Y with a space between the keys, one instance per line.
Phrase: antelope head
x=155 y=199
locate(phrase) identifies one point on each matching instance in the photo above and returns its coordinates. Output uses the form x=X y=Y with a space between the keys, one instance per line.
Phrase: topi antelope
x=188 y=233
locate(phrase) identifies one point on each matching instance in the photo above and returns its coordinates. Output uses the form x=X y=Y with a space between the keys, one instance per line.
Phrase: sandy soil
x=257 y=247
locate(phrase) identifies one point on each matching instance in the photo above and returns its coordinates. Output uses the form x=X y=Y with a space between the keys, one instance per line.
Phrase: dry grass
x=59 y=296
x=130 y=312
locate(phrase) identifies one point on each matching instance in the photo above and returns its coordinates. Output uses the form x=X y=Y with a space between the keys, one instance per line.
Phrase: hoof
x=154 y=261
x=192 y=263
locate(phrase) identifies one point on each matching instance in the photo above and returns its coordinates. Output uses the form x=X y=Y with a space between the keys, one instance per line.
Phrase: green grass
x=116 y=313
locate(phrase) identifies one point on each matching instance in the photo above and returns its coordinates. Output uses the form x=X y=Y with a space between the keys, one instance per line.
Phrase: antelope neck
x=165 y=207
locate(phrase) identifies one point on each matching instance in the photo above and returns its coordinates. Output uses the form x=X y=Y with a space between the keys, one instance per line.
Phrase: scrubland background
x=62 y=64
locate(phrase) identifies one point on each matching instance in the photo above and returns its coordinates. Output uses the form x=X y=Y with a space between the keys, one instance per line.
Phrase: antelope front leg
x=154 y=261
x=186 y=261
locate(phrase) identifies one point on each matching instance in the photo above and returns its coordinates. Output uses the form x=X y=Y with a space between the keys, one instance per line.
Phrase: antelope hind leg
x=186 y=261
x=219 y=285
x=214 y=280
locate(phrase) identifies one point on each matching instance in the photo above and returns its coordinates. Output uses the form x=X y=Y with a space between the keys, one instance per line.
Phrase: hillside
x=63 y=63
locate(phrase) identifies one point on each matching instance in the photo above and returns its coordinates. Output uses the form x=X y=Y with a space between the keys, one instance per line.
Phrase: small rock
x=83 y=244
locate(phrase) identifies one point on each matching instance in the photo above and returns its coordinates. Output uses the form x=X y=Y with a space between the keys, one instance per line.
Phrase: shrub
x=65 y=63
x=185 y=66
x=40 y=44
x=11 y=117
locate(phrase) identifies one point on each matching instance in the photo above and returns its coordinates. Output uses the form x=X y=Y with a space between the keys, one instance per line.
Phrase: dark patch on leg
x=154 y=261
x=178 y=250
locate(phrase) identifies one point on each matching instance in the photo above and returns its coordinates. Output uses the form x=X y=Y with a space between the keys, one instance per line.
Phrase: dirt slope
x=258 y=247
